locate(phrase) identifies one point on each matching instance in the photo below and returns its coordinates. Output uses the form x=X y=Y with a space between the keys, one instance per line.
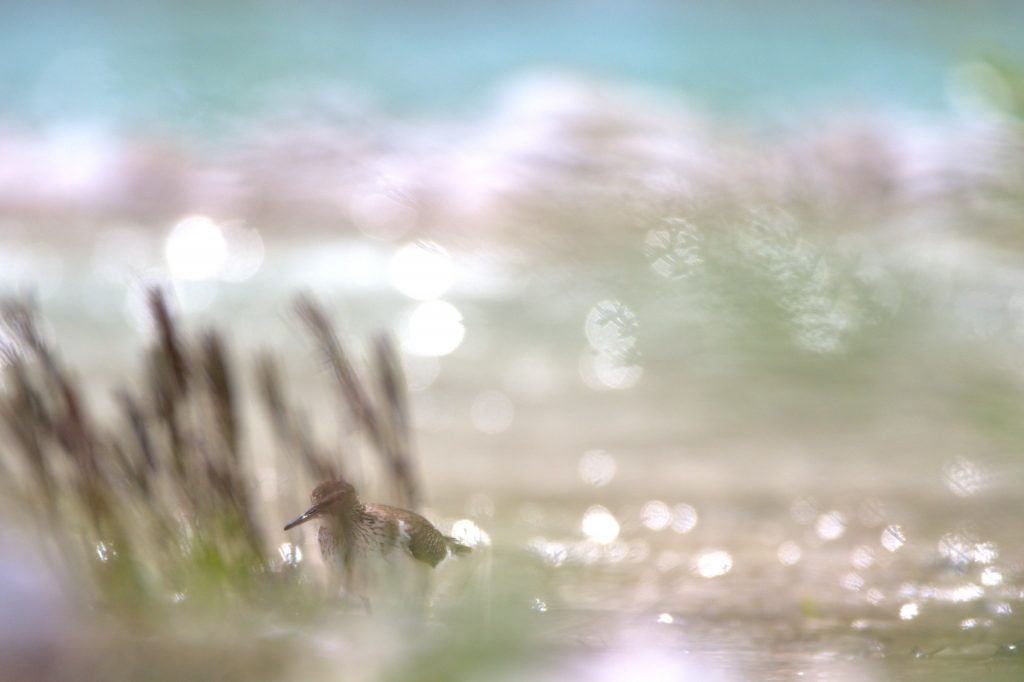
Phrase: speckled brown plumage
x=350 y=531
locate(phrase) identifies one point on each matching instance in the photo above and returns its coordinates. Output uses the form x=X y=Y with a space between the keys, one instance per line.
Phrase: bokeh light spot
x=468 y=533
x=552 y=554
x=684 y=518
x=673 y=249
x=422 y=271
x=656 y=515
x=602 y=371
x=713 y=564
x=852 y=582
x=963 y=477
x=195 y=249
x=909 y=611
x=600 y=526
x=862 y=556
x=434 y=328
x=291 y=554
x=991 y=576
x=830 y=526
x=597 y=468
x=789 y=553
x=611 y=328
x=893 y=538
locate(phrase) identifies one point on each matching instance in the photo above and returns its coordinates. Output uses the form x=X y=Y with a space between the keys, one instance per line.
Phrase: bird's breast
x=370 y=537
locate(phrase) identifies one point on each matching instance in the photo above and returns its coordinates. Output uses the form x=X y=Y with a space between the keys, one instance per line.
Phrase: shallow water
x=754 y=519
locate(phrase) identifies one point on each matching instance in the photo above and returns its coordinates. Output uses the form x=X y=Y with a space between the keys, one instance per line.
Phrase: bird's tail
x=456 y=547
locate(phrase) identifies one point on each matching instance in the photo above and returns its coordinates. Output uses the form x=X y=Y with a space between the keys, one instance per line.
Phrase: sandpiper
x=353 y=534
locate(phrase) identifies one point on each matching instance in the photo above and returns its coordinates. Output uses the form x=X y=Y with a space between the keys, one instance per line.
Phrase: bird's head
x=328 y=499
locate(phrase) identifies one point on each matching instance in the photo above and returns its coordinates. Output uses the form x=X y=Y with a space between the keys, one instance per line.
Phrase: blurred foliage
x=160 y=505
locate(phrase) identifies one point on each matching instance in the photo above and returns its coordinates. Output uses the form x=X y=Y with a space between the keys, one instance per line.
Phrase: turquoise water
x=197 y=66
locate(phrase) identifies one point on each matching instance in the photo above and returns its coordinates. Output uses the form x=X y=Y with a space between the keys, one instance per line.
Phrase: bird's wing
x=416 y=535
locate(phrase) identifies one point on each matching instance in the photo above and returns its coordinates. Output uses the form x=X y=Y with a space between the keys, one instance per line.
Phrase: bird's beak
x=306 y=516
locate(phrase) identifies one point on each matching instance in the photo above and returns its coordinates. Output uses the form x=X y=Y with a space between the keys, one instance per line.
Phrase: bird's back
x=416 y=534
